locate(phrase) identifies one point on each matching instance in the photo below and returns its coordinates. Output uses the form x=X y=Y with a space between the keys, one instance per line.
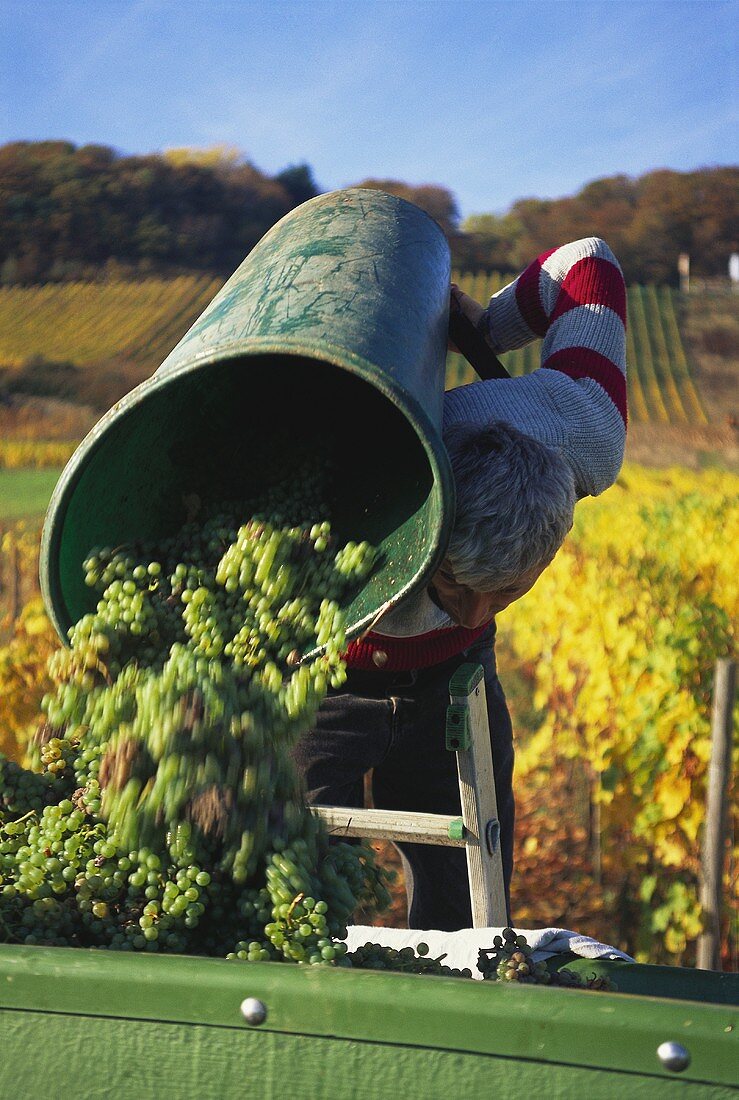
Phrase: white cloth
x=415 y=615
x=461 y=948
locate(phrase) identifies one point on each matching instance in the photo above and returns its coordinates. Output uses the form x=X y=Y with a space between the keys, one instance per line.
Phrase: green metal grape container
x=329 y=341
x=93 y=1024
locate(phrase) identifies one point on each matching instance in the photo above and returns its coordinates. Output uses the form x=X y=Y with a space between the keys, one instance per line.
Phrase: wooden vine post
x=714 y=836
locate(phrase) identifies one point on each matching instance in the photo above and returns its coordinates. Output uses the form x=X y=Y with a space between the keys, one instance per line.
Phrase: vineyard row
x=89 y=323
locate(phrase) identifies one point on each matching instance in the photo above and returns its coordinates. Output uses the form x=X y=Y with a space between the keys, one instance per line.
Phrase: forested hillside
x=68 y=211
x=71 y=212
x=648 y=222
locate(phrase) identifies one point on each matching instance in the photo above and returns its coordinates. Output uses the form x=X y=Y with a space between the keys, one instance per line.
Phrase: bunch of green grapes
x=510 y=959
x=23 y=791
x=163 y=811
x=375 y=956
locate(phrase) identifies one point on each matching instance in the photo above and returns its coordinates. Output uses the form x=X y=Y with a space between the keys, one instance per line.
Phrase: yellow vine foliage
x=23 y=678
x=26 y=641
x=16 y=454
x=620 y=636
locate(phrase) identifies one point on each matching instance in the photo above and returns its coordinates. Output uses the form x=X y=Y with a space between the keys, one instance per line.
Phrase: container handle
x=473 y=345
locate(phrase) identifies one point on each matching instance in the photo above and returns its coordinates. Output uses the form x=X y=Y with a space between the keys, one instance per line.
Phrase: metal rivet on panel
x=254 y=1011
x=673 y=1056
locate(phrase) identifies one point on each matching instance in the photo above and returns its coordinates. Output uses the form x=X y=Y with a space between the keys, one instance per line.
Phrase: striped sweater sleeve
x=574 y=299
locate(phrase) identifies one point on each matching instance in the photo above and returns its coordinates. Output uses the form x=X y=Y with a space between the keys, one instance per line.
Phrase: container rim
x=325 y=352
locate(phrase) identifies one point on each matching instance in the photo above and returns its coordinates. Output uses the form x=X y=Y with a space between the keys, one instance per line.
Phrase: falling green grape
x=163 y=811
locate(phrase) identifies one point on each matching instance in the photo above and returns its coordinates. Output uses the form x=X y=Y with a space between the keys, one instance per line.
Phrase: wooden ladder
x=478 y=829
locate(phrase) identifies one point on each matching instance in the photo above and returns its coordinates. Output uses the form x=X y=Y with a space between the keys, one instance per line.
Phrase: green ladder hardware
x=477 y=831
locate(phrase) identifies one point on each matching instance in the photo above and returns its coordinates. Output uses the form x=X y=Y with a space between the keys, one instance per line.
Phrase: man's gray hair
x=515 y=500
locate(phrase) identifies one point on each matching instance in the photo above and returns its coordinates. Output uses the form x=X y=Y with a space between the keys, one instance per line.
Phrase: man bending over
x=523 y=451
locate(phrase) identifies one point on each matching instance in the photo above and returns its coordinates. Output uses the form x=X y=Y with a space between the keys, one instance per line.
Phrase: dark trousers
x=394 y=724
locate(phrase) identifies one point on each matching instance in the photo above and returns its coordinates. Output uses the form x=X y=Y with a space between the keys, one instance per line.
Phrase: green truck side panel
x=319 y=1017
x=673 y=982
x=89 y=1058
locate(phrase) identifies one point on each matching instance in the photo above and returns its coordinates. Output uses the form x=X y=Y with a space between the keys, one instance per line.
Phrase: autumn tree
x=648 y=221
x=67 y=211
x=437 y=201
x=71 y=211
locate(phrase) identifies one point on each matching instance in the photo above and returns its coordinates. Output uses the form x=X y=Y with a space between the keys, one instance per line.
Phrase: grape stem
x=296 y=901
x=18 y=820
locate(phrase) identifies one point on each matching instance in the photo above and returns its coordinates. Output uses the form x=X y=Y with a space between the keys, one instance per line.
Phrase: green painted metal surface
x=103 y=1013
x=675 y=982
x=139 y=1060
x=330 y=338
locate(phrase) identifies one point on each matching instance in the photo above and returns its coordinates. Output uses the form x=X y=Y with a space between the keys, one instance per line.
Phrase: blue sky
x=495 y=100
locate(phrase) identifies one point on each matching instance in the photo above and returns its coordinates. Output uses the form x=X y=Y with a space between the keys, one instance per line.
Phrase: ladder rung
x=416 y=828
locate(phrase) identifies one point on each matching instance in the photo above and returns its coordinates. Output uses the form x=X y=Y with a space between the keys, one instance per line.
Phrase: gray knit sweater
x=573 y=298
